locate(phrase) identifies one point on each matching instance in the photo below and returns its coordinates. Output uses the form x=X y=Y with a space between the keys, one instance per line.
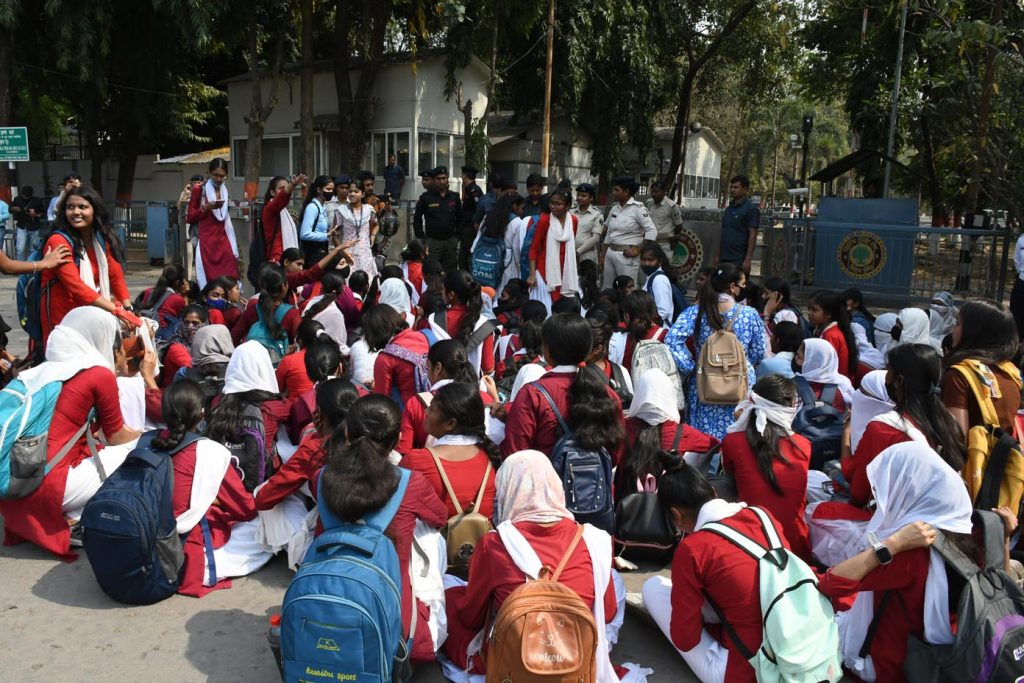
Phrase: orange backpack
x=544 y=632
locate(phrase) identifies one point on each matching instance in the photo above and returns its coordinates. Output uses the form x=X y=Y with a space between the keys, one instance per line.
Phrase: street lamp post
x=807 y=127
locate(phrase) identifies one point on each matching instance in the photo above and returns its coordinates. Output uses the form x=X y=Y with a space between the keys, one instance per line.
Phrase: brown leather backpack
x=722 y=367
x=544 y=632
x=463 y=532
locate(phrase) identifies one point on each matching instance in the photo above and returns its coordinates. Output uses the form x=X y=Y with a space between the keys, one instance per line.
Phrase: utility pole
x=808 y=125
x=889 y=148
x=545 y=152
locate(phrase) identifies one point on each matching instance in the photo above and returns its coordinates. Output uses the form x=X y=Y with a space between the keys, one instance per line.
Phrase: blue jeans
x=27 y=241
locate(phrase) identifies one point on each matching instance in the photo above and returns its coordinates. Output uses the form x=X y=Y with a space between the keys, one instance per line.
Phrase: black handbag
x=643 y=529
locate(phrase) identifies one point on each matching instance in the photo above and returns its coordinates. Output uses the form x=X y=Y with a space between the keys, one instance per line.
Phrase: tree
x=261 y=65
x=306 y=11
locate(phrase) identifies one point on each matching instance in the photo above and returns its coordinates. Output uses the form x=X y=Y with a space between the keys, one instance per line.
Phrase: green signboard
x=14 y=144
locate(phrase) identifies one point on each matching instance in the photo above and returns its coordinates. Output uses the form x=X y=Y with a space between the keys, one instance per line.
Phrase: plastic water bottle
x=274 y=637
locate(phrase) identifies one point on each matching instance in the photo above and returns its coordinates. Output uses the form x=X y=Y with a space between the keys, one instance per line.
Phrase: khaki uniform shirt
x=589 y=228
x=667 y=217
x=629 y=225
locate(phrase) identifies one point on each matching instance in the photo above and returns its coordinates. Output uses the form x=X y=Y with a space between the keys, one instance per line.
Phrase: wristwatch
x=882 y=552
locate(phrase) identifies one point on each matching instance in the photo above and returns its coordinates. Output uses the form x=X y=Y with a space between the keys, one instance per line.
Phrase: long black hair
x=718 y=282
x=323 y=359
x=919 y=366
x=461 y=402
x=225 y=421
x=182 y=409
x=682 y=486
x=273 y=287
x=601 y=329
x=307 y=333
x=270 y=194
x=834 y=305
x=332 y=284
x=642 y=311
x=102 y=225
x=171 y=277
x=467 y=292
x=497 y=219
x=380 y=324
x=778 y=284
x=358 y=478
x=334 y=398
x=987 y=333
x=451 y=355
x=314 y=190
x=593 y=415
x=781 y=390
x=856 y=296
x=588 y=283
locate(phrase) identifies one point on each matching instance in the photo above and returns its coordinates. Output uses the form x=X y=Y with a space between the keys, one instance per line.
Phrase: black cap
x=470 y=171
x=439 y=170
x=429 y=173
x=343 y=179
x=588 y=188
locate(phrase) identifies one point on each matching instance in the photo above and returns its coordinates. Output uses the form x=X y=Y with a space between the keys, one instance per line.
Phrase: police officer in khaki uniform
x=589 y=223
x=627 y=226
x=666 y=214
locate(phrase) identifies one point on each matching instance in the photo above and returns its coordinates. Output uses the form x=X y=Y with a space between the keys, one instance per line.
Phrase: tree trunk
x=258 y=110
x=984 y=115
x=5 y=103
x=126 y=164
x=934 y=187
x=306 y=92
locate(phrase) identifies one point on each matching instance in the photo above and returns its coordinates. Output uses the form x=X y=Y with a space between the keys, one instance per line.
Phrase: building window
x=280 y=155
x=381 y=145
x=441 y=149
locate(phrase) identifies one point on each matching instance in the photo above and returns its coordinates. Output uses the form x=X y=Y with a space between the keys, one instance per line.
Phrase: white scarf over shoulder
x=559 y=273
x=289 y=232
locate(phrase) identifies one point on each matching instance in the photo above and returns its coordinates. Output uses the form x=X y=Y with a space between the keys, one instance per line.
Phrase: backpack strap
x=568 y=553
x=381 y=519
x=748 y=545
x=429 y=336
x=828 y=394
x=446 y=482
x=744 y=650
x=678 y=438
x=736 y=310
x=554 y=408
x=981 y=394
x=995 y=468
x=955 y=558
x=208 y=548
x=481 y=334
x=90 y=440
x=876 y=619
x=441 y=320
x=803 y=389
x=483 y=487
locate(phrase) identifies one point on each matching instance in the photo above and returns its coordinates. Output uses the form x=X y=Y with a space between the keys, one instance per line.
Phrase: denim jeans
x=27 y=241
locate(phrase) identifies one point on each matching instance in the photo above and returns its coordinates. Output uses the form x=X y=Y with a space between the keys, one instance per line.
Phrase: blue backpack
x=524 y=252
x=275 y=345
x=679 y=302
x=129 y=530
x=31 y=294
x=819 y=422
x=24 y=422
x=488 y=261
x=586 y=475
x=341 y=618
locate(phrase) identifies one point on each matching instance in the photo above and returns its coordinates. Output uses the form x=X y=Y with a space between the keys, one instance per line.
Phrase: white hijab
x=916 y=328
x=250 y=369
x=942 y=317
x=870 y=401
x=764 y=411
x=530 y=372
x=558 y=273
x=654 y=398
x=395 y=294
x=868 y=354
x=883 y=329
x=84 y=339
x=911 y=483
x=821 y=364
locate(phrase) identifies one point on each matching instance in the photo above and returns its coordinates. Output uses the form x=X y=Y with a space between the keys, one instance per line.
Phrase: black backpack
x=250 y=449
x=586 y=475
x=819 y=422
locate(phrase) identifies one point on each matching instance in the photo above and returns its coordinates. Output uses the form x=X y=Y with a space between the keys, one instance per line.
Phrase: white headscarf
x=883 y=329
x=556 y=272
x=868 y=354
x=915 y=328
x=911 y=483
x=527 y=489
x=870 y=401
x=84 y=339
x=654 y=398
x=821 y=364
x=395 y=294
x=764 y=411
x=942 y=317
x=250 y=369
x=530 y=372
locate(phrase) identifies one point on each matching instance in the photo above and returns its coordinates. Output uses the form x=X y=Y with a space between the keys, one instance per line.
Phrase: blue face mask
x=219 y=304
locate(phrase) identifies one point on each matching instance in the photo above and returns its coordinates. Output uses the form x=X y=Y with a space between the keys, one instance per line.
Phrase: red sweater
x=177 y=357
x=172 y=307
x=240 y=330
x=877 y=437
x=708 y=566
x=68 y=291
x=465 y=477
x=739 y=460
x=299 y=469
x=291 y=375
x=532 y=424
x=538 y=248
x=38 y=517
x=393 y=375
x=413 y=434
x=272 y=225
x=233 y=504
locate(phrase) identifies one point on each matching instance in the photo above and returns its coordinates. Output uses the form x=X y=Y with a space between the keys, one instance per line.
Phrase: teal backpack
x=801 y=639
x=276 y=346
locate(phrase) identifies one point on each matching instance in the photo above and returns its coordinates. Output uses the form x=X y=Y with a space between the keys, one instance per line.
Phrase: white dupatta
x=559 y=273
x=223 y=215
x=289 y=232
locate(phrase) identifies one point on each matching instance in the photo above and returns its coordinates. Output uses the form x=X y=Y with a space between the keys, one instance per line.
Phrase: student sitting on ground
x=642 y=322
x=207 y=488
x=816 y=363
x=399 y=371
x=786 y=340
x=291 y=374
x=178 y=354
x=768 y=461
x=464 y=321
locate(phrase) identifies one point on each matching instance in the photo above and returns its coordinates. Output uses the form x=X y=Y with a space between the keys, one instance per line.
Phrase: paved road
x=55 y=623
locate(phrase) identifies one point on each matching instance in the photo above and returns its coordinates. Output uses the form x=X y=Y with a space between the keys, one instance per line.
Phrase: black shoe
x=76 y=536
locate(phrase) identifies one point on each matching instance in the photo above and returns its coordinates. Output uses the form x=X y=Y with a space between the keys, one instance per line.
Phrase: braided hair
x=182 y=410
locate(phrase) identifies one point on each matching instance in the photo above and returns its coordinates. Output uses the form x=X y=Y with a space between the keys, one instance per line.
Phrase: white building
x=700 y=181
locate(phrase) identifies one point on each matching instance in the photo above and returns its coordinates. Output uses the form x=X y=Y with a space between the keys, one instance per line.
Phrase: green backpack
x=801 y=640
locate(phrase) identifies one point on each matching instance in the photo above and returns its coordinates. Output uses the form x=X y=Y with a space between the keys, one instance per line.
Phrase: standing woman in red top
x=279 y=230
x=95 y=277
x=464 y=321
x=553 y=273
x=588 y=404
x=768 y=461
x=826 y=312
x=400 y=371
x=217 y=253
x=640 y=313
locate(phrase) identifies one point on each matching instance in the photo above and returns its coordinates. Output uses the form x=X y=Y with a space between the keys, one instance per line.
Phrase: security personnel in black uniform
x=437 y=219
x=471 y=194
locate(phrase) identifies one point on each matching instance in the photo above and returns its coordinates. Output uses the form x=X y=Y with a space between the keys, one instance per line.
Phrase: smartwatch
x=882 y=553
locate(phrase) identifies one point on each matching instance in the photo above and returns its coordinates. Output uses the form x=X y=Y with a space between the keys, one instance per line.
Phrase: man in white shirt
x=658 y=284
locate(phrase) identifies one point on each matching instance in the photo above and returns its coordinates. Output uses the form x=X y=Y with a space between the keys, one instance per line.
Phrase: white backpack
x=801 y=639
x=650 y=353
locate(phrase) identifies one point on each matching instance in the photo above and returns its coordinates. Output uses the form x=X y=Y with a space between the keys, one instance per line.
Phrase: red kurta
x=739 y=460
x=834 y=336
x=171 y=307
x=538 y=248
x=233 y=504
x=877 y=437
x=414 y=434
x=464 y=475
x=493 y=576
x=291 y=375
x=177 y=357
x=393 y=375
x=532 y=424
x=68 y=291
x=38 y=517
x=214 y=245
x=692 y=440
x=707 y=565
x=272 y=225
x=299 y=469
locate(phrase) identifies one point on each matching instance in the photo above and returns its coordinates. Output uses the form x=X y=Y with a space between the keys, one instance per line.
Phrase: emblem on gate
x=688 y=254
x=861 y=254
